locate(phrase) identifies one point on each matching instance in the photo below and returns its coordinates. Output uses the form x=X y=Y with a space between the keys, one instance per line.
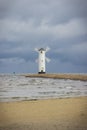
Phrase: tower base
x=41 y=72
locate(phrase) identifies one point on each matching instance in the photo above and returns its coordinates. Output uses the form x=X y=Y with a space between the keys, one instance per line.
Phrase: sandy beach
x=81 y=77
x=53 y=114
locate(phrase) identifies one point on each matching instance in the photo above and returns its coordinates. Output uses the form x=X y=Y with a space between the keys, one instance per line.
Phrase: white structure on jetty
x=42 y=59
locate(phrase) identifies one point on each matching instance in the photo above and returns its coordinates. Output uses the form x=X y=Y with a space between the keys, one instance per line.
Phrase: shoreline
x=49 y=114
x=40 y=99
x=82 y=77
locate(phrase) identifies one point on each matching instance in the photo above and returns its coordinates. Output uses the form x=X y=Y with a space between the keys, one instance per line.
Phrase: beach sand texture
x=53 y=114
x=82 y=77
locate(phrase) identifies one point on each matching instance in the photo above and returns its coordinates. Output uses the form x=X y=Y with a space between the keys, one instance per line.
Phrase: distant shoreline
x=82 y=77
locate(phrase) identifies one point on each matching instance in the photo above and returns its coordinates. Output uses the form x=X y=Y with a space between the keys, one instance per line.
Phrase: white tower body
x=41 y=60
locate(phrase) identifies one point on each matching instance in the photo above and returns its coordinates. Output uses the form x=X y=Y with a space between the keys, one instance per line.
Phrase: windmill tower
x=42 y=59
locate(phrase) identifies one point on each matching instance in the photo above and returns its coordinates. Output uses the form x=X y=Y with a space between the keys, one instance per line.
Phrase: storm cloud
x=59 y=24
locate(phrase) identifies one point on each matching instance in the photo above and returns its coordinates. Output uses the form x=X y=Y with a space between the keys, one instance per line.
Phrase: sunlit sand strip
x=60 y=76
x=53 y=114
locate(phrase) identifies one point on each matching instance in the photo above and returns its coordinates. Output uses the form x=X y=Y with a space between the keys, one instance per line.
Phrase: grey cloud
x=59 y=24
x=56 y=11
x=19 y=30
x=18 y=50
x=27 y=56
x=75 y=54
x=5 y=8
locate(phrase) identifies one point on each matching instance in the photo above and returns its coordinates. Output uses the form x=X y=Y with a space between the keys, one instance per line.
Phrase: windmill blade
x=47 y=49
x=47 y=59
x=36 y=49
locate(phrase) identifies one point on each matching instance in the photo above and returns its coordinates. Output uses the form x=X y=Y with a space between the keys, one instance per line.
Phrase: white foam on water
x=17 y=88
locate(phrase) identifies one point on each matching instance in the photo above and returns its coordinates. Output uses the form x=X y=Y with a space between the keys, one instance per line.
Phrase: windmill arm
x=47 y=49
x=47 y=59
x=36 y=49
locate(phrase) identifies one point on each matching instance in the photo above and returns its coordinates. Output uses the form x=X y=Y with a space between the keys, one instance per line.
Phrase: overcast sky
x=58 y=24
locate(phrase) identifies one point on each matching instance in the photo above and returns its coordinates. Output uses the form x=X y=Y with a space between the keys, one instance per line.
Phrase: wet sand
x=53 y=114
x=60 y=76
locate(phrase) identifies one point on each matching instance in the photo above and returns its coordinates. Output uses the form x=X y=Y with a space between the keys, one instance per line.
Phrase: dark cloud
x=60 y=24
x=75 y=54
x=5 y=8
x=27 y=56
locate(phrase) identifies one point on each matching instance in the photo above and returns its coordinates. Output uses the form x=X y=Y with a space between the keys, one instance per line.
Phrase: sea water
x=19 y=88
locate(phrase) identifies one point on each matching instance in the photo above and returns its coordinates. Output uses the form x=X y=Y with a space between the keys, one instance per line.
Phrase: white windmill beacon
x=42 y=59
